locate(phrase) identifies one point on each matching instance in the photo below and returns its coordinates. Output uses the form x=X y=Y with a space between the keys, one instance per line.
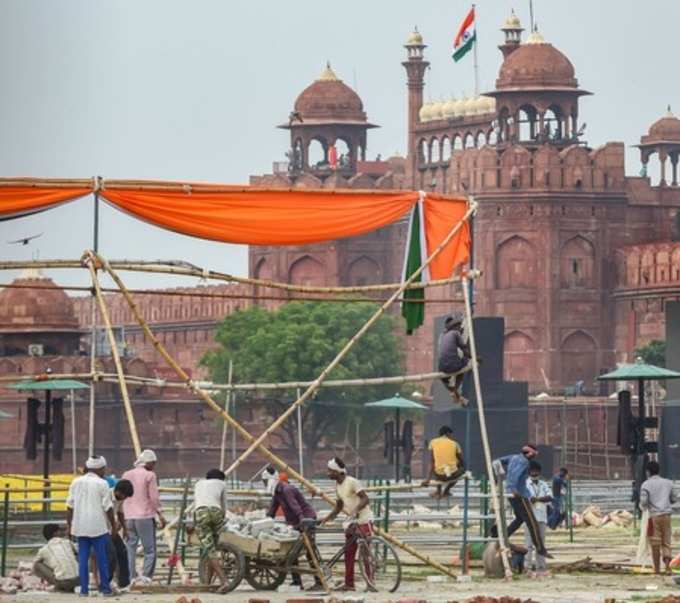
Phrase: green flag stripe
x=414 y=313
x=459 y=53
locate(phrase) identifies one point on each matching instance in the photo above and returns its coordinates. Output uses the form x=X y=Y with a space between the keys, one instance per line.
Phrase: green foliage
x=295 y=343
x=653 y=353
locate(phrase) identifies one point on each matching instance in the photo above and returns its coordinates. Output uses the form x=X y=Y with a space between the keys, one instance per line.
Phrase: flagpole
x=474 y=49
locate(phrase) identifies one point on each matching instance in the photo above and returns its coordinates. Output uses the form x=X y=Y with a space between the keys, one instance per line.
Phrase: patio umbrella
x=640 y=371
x=398 y=404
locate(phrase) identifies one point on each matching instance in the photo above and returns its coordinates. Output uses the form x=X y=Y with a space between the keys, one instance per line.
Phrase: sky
x=193 y=90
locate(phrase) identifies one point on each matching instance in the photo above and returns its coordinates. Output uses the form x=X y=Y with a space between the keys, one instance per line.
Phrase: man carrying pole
x=515 y=467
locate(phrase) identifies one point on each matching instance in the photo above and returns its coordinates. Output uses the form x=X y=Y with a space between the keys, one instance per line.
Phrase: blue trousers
x=555 y=512
x=99 y=545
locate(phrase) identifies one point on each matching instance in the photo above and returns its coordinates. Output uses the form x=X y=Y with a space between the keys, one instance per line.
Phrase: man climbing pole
x=454 y=356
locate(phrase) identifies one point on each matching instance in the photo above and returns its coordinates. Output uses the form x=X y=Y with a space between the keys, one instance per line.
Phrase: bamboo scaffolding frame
x=134 y=436
x=205 y=274
x=484 y=435
x=348 y=346
x=253 y=296
x=49 y=182
x=153 y=382
x=244 y=433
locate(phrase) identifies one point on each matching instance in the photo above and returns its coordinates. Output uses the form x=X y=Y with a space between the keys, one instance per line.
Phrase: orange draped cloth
x=17 y=201
x=294 y=217
x=257 y=216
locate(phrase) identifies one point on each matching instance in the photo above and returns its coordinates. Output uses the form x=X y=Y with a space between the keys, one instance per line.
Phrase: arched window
x=519 y=356
x=344 y=152
x=424 y=151
x=316 y=153
x=480 y=139
x=446 y=149
x=527 y=123
x=516 y=264
x=306 y=271
x=492 y=137
x=434 y=150
x=579 y=358
x=553 y=127
x=457 y=142
x=364 y=271
x=469 y=141
x=577 y=264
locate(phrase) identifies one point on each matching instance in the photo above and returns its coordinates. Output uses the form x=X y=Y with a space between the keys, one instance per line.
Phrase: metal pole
x=570 y=518
x=47 y=434
x=93 y=327
x=5 y=535
x=466 y=503
x=397 y=444
x=73 y=433
x=474 y=50
x=233 y=435
x=300 y=449
x=223 y=445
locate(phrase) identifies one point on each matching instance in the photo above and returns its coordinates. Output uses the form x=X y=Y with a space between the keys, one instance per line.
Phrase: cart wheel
x=233 y=563
x=263 y=575
x=380 y=565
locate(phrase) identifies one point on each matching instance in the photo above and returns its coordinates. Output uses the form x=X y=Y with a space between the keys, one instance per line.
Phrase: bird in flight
x=25 y=240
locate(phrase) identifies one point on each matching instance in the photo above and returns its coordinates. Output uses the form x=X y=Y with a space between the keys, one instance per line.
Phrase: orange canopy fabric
x=294 y=217
x=18 y=201
x=441 y=215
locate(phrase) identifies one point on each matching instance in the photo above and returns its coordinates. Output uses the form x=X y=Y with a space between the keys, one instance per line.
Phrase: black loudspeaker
x=506 y=403
x=673 y=347
x=669 y=439
x=625 y=428
x=546 y=456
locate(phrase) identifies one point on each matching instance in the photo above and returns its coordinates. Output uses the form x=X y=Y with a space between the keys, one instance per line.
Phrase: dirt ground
x=582 y=588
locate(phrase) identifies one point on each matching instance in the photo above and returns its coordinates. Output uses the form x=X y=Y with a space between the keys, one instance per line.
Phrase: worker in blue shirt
x=515 y=467
x=559 y=486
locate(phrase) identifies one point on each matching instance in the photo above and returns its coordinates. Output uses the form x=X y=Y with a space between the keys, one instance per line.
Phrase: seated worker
x=353 y=501
x=298 y=514
x=56 y=562
x=446 y=461
x=210 y=507
x=454 y=356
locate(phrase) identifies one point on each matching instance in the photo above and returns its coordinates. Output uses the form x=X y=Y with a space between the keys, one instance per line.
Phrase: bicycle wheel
x=380 y=565
x=232 y=562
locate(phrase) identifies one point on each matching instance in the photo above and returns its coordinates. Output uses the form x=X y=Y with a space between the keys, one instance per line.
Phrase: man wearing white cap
x=140 y=512
x=90 y=518
x=353 y=501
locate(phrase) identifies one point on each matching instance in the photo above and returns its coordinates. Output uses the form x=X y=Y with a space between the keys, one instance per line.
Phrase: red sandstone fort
x=578 y=257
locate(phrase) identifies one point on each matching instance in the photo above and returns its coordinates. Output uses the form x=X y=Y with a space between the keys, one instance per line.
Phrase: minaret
x=415 y=66
x=512 y=28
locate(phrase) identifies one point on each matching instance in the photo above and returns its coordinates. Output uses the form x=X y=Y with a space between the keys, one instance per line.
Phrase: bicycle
x=378 y=562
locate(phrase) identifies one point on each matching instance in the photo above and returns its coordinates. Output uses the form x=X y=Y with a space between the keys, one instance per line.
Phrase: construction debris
x=593 y=516
x=21 y=580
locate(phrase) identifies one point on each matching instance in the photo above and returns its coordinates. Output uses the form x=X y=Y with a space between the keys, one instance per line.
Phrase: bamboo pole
x=48 y=182
x=93 y=368
x=190 y=270
x=482 y=427
x=280 y=463
x=116 y=357
x=74 y=452
x=350 y=344
x=249 y=296
x=223 y=444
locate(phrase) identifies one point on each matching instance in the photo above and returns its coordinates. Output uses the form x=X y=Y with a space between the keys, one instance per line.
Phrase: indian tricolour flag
x=465 y=37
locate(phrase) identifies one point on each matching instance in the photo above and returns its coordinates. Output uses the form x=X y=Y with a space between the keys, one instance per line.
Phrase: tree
x=653 y=353
x=295 y=343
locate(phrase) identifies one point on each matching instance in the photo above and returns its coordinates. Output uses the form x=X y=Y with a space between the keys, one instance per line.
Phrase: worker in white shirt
x=56 y=562
x=210 y=507
x=352 y=501
x=540 y=496
x=90 y=518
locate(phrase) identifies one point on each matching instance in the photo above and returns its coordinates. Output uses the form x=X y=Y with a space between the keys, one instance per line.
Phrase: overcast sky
x=193 y=90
